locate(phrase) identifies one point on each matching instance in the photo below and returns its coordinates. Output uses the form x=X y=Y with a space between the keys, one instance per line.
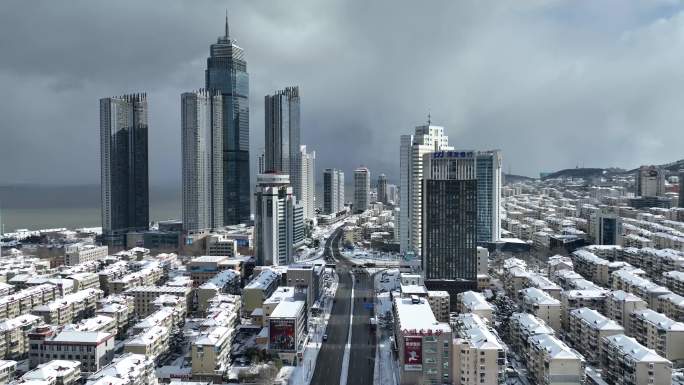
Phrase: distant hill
x=587 y=173
x=512 y=178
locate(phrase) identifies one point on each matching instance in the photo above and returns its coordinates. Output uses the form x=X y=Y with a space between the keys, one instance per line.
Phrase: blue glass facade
x=227 y=72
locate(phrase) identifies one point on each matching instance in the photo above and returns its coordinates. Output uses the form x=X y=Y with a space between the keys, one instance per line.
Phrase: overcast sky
x=554 y=84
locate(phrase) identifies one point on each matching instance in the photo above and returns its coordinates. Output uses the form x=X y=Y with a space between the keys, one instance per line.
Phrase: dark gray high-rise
x=449 y=234
x=123 y=165
x=681 y=188
x=282 y=135
x=227 y=72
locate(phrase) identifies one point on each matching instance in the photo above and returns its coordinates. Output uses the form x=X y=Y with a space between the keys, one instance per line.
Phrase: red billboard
x=281 y=335
x=413 y=353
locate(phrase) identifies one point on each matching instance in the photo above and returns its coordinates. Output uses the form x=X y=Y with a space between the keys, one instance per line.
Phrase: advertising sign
x=413 y=353
x=281 y=335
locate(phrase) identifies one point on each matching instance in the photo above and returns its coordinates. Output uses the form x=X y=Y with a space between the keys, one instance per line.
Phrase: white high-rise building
x=308 y=182
x=273 y=220
x=488 y=165
x=202 y=137
x=426 y=139
x=361 y=189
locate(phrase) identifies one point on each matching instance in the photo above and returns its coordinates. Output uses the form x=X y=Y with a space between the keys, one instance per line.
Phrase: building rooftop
x=621 y=295
x=148 y=336
x=555 y=348
x=538 y=297
x=51 y=370
x=474 y=301
x=417 y=316
x=531 y=324
x=629 y=346
x=263 y=280
x=287 y=309
x=122 y=370
x=82 y=336
x=474 y=329
x=595 y=319
x=661 y=321
x=215 y=336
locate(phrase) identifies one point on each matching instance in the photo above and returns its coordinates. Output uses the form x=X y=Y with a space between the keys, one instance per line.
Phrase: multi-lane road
x=329 y=365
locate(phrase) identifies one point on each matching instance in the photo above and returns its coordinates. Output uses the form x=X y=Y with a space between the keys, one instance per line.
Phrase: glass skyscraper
x=227 y=72
x=123 y=165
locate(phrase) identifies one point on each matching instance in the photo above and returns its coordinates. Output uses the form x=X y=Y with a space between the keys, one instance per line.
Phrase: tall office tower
x=298 y=235
x=273 y=220
x=333 y=191
x=488 y=165
x=307 y=182
x=449 y=231
x=681 y=188
x=650 y=181
x=227 y=73
x=261 y=163
x=281 y=125
x=382 y=188
x=425 y=139
x=361 y=189
x=392 y=195
x=123 y=164
x=202 y=142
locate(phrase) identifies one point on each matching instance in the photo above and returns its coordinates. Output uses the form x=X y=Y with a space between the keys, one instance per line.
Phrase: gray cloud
x=552 y=83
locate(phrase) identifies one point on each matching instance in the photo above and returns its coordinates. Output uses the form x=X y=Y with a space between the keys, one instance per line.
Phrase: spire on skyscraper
x=227 y=30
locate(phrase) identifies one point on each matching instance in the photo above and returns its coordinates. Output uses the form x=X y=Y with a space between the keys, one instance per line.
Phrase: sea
x=34 y=207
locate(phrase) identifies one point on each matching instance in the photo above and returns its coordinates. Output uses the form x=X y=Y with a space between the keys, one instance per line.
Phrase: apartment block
x=211 y=353
x=475 y=303
x=542 y=305
x=144 y=297
x=70 y=308
x=440 y=303
x=522 y=326
x=642 y=287
x=55 y=372
x=152 y=342
x=23 y=301
x=626 y=362
x=586 y=330
x=127 y=369
x=14 y=332
x=551 y=361
x=478 y=353
x=575 y=299
x=672 y=305
x=620 y=305
x=93 y=349
x=658 y=332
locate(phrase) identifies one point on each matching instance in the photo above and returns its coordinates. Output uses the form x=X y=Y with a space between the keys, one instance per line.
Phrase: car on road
x=325 y=337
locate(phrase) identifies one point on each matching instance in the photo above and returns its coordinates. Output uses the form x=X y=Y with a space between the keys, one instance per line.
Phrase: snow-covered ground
x=386 y=368
x=361 y=256
x=304 y=371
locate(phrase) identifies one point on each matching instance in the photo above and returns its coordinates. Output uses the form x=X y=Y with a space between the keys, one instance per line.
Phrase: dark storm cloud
x=554 y=84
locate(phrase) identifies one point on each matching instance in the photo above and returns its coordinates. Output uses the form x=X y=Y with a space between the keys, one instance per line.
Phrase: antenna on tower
x=227 y=30
x=429 y=118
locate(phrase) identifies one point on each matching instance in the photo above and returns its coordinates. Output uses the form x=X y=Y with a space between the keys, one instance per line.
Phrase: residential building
x=221 y=245
x=126 y=369
x=522 y=326
x=124 y=168
x=307 y=184
x=478 y=356
x=627 y=362
x=552 y=362
x=586 y=330
x=14 y=342
x=488 y=169
x=361 y=189
x=227 y=73
x=55 y=372
x=206 y=267
x=658 y=332
x=287 y=330
x=93 y=349
x=440 y=303
x=78 y=253
x=202 y=150
x=542 y=305
x=70 y=308
x=620 y=305
x=258 y=289
x=672 y=305
x=650 y=181
x=605 y=227
x=7 y=370
x=225 y=282
x=152 y=343
x=145 y=296
x=210 y=353
x=425 y=139
x=475 y=303
x=274 y=220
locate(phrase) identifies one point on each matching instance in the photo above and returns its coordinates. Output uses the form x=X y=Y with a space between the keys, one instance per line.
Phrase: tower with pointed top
x=227 y=73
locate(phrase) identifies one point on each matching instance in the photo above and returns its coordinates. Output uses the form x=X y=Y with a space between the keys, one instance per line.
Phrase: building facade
x=282 y=134
x=427 y=138
x=650 y=181
x=488 y=170
x=124 y=167
x=307 y=182
x=227 y=73
x=382 y=188
x=274 y=220
x=333 y=191
x=202 y=143
x=361 y=189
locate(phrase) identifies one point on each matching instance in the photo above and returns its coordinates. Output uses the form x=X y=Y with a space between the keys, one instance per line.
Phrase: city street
x=362 y=348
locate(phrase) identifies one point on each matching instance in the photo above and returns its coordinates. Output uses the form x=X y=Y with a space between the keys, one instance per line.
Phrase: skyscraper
x=274 y=220
x=282 y=133
x=361 y=189
x=488 y=165
x=261 y=163
x=382 y=188
x=227 y=73
x=426 y=139
x=202 y=142
x=124 y=169
x=333 y=191
x=650 y=181
x=307 y=182
x=449 y=231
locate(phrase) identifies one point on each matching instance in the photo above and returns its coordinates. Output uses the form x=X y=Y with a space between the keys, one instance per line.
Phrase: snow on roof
x=555 y=348
x=52 y=370
x=282 y=293
x=471 y=327
x=621 y=295
x=155 y=319
x=81 y=336
x=13 y=323
x=474 y=301
x=263 y=280
x=630 y=347
x=531 y=324
x=676 y=275
x=91 y=324
x=417 y=316
x=121 y=370
x=538 y=297
x=659 y=320
x=287 y=309
x=215 y=336
x=69 y=299
x=148 y=336
x=595 y=319
x=589 y=257
x=221 y=279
